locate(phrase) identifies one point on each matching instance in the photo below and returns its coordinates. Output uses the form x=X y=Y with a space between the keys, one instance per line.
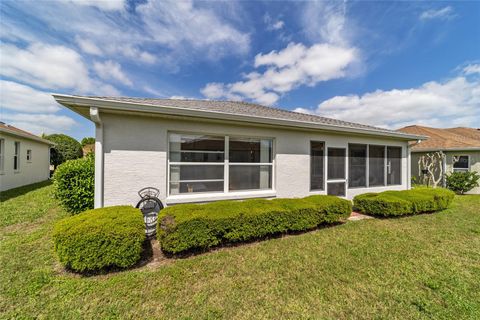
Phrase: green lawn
x=425 y=266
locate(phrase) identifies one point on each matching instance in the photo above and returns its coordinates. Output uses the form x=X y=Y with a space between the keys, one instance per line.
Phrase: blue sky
x=387 y=64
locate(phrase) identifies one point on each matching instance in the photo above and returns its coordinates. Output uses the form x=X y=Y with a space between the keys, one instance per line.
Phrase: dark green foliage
x=87 y=140
x=398 y=203
x=66 y=148
x=461 y=182
x=74 y=184
x=100 y=238
x=200 y=226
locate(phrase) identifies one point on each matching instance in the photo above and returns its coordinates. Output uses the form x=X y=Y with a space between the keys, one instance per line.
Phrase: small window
x=2 y=154
x=461 y=163
x=29 y=155
x=16 y=157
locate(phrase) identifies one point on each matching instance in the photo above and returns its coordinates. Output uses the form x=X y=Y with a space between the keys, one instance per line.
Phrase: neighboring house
x=200 y=150
x=461 y=147
x=24 y=158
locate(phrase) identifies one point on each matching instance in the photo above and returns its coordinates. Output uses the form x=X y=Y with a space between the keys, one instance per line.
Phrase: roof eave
x=26 y=136
x=74 y=101
x=447 y=149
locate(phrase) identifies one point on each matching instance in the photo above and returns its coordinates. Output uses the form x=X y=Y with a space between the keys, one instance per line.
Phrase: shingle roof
x=16 y=131
x=243 y=108
x=444 y=139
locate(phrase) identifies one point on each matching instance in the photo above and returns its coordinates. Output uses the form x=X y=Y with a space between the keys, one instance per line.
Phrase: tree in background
x=87 y=140
x=66 y=148
x=430 y=168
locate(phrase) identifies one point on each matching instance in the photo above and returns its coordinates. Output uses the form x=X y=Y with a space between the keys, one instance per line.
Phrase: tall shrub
x=66 y=148
x=87 y=140
x=74 y=184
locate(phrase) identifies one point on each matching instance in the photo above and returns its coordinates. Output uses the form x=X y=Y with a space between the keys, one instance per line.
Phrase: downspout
x=95 y=117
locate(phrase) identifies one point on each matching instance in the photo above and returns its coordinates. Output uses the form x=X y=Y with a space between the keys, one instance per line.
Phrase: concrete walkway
x=355 y=216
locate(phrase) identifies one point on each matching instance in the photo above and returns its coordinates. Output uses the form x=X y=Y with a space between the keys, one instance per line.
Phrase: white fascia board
x=70 y=101
x=445 y=149
x=26 y=136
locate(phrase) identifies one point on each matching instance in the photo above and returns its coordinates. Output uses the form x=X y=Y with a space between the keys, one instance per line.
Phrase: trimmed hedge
x=74 y=184
x=406 y=202
x=100 y=238
x=201 y=226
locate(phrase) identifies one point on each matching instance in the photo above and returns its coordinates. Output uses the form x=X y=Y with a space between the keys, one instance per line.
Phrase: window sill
x=239 y=195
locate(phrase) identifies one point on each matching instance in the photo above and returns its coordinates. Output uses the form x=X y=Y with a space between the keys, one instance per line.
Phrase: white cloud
x=88 y=46
x=287 y=69
x=444 y=104
x=272 y=24
x=472 y=69
x=50 y=67
x=445 y=13
x=171 y=32
x=326 y=22
x=107 y=5
x=18 y=97
x=177 y=24
x=111 y=70
x=40 y=123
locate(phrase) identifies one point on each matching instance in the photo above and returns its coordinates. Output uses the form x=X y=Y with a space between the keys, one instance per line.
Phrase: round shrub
x=87 y=140
x=398 y=203
x=100 y=238
x=74 y=184
x=66 y=148
x=461 y=182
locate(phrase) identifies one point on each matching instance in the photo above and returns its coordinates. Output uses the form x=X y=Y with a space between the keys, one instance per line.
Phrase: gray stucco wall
x=135 y=155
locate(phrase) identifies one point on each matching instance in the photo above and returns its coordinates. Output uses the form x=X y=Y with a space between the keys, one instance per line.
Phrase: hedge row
x=200 y=226
x=100 y=238
x=406 y=202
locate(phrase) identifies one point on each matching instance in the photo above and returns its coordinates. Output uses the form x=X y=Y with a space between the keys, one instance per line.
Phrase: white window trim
x=29 y=160
x=226 y=194
x=17 y=156
x=460 y=169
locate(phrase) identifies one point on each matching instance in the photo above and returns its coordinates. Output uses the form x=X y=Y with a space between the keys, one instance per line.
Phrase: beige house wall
x=35 y=170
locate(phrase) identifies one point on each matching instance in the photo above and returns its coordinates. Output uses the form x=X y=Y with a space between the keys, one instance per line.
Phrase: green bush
x=74 y=184
x=87 y=140
x=66 y=148
x=200 y=226
x=399 y=203
x=461 y=182
x=100 y=238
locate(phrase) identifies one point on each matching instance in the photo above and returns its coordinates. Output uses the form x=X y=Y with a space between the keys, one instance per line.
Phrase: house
x=460 y=146
x=24 y=158
x=200 y=150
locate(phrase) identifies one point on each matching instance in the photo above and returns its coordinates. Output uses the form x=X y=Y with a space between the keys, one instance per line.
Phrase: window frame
x=367 y=157
x=29 y=155
x=225 y=163
x=16 y=156
x=460 y=169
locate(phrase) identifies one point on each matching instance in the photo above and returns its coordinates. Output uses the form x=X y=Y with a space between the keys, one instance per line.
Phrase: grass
x=424 y=267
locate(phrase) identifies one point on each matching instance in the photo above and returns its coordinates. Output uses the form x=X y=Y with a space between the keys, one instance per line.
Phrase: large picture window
x=203 y=163
x=316 y=165
x=357 y=165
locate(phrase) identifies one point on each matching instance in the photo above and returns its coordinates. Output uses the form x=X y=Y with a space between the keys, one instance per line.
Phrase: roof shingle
x=444 y=139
